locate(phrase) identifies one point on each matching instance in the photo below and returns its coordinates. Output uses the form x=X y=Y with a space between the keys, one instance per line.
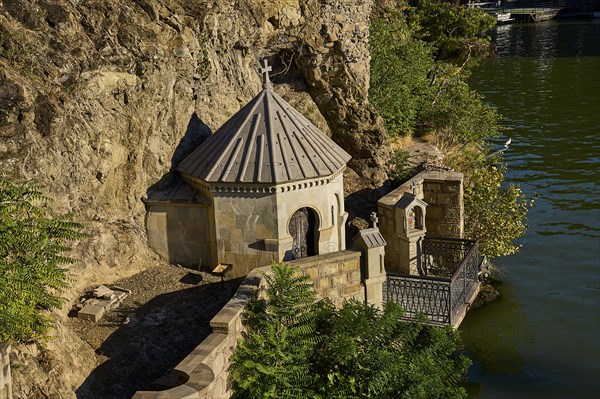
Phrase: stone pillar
x=372 y=246
x=5 y=379
x=375 y=276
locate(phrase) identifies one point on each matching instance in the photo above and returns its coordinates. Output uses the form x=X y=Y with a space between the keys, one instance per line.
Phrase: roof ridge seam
x=235 y=135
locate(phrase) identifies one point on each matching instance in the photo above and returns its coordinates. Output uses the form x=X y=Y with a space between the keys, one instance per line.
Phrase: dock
x=533 y=14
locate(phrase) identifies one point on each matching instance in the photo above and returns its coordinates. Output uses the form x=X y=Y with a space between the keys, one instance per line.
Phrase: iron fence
x=439 y=298
x=441 y=256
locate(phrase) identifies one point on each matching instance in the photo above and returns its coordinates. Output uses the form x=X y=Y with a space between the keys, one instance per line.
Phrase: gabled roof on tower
x=267 y=141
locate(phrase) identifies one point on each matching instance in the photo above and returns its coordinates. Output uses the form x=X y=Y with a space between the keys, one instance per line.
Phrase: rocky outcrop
x=97 y=99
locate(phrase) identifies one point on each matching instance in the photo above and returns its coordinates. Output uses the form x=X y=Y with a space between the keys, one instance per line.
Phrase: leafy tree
x=457 y=115
x=296 y=346
x=33 y=242
x=495 y=213
x=399 y=68
x=371 y=354
x=456 y=31
x=418 y=60
x=421 y=55
x=272 y=361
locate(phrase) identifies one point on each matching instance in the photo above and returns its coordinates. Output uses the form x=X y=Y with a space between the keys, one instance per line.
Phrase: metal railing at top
x=533 y=6
x=439 y=298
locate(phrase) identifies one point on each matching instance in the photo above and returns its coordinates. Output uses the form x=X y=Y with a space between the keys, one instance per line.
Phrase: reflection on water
x=543 y=338
x=494 y=343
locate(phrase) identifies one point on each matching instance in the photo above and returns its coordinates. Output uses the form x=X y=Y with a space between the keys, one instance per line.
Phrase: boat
x=503 y=17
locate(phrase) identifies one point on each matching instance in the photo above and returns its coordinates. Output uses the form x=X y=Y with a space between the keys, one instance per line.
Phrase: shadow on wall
x=178 y=215
x=360 y=204
x=157 y=336
x=197 y=131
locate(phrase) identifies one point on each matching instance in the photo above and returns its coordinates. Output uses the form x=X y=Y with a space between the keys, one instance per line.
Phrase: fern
x=33 y=242
x=298 y=347
x=273 y=358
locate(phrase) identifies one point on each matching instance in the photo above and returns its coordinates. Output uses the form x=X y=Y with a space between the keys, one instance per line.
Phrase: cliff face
x=97 y=99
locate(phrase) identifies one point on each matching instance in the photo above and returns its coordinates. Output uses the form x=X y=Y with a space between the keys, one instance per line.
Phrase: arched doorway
x=302 y=228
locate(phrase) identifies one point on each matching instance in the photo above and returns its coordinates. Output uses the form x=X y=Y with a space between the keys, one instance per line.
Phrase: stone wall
x=444 y=196
x=335 y=275
x=252 y=229
x=178 y=233
x=243 y=222
x=444 y=217
x=204 y=372
x=5 y=379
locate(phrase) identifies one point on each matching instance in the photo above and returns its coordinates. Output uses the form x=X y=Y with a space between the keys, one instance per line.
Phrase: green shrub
x=402 y=171
x=495 y=213
x=298 y=347
x=32 y=245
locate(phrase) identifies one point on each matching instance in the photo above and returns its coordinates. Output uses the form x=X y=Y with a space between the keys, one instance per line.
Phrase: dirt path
x=164 y=319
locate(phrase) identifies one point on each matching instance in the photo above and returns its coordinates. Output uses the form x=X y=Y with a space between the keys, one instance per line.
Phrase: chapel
x=266 y=186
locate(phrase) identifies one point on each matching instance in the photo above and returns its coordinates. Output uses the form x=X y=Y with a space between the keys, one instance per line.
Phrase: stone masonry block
x=351 y=289
x=350 y=265
x=333 y=293
x=313 y=272
x=452 y=188
x=432 y=187
x=91 y=312
x=340 y=280
x=325 y=282
x=355 y=276
x=329 y=269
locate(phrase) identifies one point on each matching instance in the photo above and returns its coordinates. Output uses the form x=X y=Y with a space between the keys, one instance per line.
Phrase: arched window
x=332 y=215
x=415 y=218
x=418 y=217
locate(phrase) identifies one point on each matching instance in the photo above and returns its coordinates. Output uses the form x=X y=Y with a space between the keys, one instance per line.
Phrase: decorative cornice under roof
x=253 y=188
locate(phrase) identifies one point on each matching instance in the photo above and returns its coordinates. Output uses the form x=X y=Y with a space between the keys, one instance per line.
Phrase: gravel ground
x=164 y=319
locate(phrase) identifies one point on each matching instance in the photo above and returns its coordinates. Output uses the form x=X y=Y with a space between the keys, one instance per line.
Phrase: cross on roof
x=374 y=219
x=265 y=68
x=414 y=185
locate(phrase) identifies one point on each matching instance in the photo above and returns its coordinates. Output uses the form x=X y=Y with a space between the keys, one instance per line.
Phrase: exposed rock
x=487 y=293
x=359 y=223
x=97 y=99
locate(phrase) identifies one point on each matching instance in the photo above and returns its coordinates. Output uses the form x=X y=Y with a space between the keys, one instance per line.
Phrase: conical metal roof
x=267 y=141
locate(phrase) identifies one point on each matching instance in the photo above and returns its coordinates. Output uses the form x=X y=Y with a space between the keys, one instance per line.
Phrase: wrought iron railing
x=463 y=279
x=429 y=296
x=439 y=298
x=441 y=256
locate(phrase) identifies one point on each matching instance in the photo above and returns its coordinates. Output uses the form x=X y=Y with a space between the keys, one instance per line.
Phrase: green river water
x=542 y=338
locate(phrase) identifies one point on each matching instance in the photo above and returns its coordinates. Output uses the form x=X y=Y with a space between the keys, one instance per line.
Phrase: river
x=542 y=338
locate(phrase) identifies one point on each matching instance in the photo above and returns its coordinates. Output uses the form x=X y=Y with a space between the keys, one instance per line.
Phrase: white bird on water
x=508 y=142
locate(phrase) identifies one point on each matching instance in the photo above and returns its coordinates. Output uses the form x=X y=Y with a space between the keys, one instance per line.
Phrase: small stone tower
x=274 y=183
x=410 y=225
x=372 y=246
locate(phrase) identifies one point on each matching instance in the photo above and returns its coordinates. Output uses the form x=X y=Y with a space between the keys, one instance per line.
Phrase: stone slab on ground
x=104 y=297
x=91 y=312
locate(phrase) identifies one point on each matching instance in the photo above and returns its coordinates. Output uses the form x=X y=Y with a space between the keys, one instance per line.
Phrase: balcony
x=447 y=283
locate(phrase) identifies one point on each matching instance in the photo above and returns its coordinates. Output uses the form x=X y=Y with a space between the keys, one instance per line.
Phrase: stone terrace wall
x=5 y=380
x=335 y=276
x=204 y=371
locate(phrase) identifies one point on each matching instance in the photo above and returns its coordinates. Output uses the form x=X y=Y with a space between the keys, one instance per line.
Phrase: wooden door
x=300 y=231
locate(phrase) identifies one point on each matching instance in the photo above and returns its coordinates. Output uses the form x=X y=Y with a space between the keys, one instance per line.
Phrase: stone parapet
x=334 y=275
